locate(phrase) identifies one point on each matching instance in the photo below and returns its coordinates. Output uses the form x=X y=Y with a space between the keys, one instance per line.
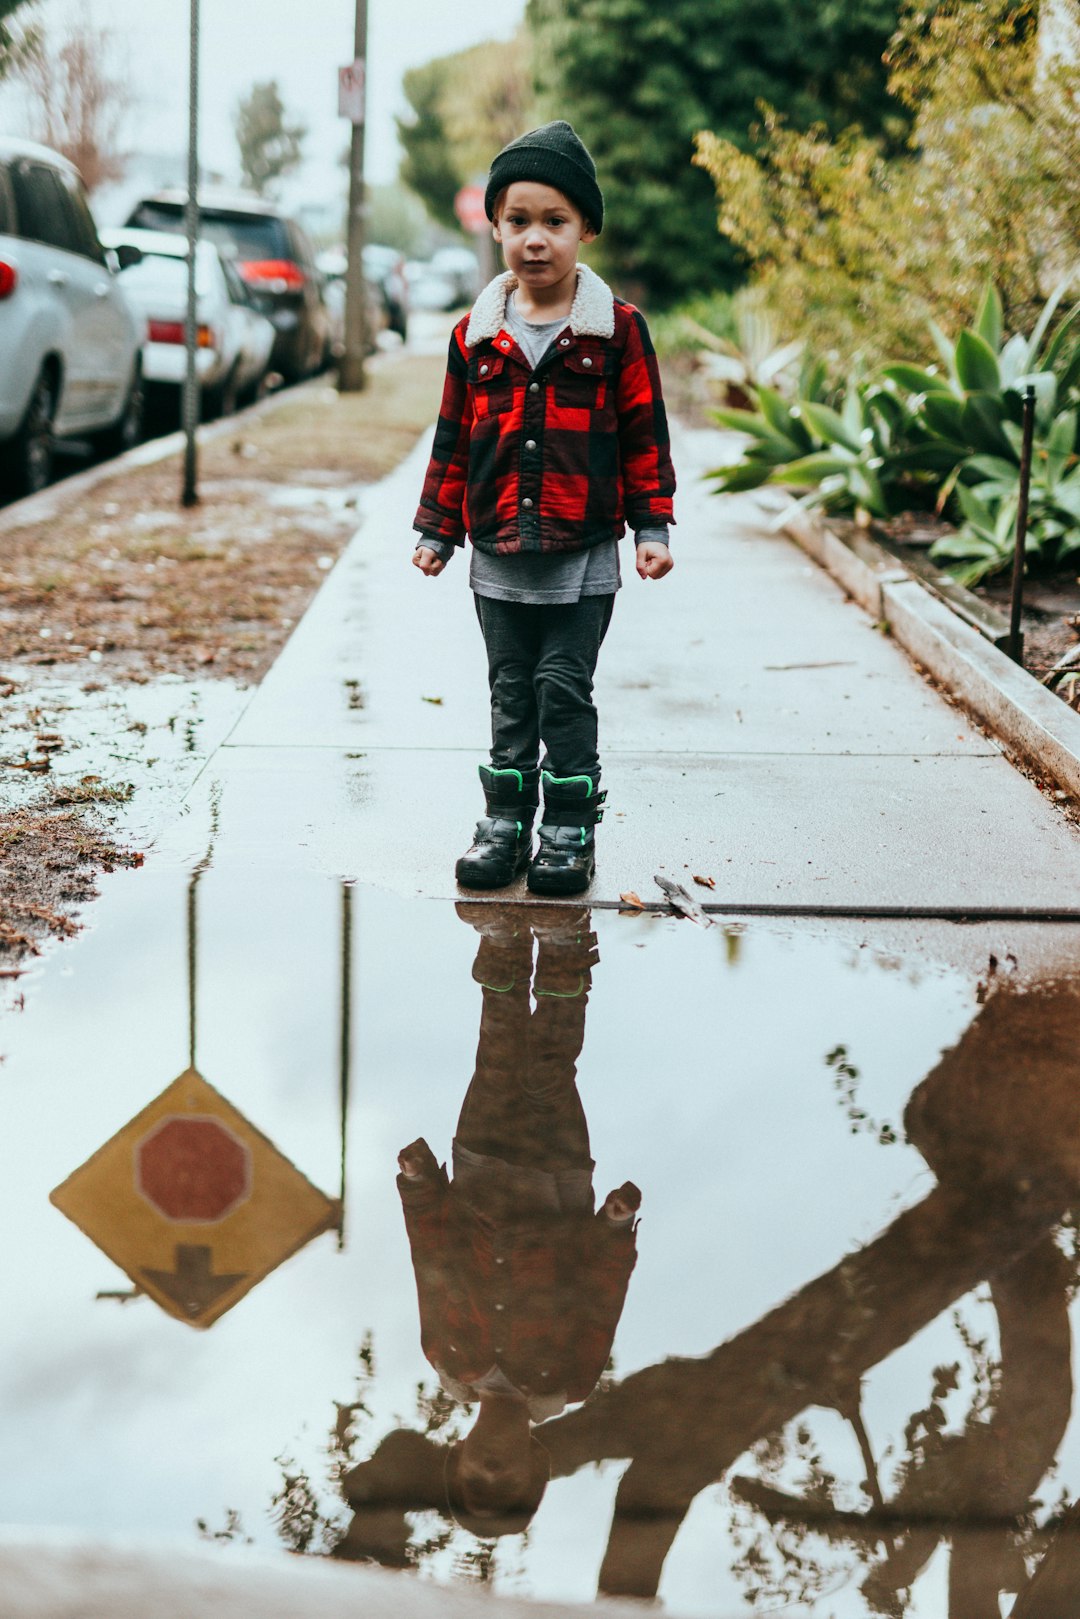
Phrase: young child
x=551 y=438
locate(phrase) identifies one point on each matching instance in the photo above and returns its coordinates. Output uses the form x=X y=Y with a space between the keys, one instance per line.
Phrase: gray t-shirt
x=533 y=577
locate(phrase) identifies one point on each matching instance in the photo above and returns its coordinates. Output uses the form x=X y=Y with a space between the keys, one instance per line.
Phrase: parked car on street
x=332 y=264
x=429 y=288
x=385 y=266
x=461 y=267
x=275 y=258
x=70 y=342
x=233 y=340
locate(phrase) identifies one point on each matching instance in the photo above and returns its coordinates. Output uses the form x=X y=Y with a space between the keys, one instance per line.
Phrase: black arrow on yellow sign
x=192 y=1285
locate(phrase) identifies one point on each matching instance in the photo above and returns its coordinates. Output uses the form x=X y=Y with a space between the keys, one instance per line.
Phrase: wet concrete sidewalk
x=828 y=1375
x=756 y=728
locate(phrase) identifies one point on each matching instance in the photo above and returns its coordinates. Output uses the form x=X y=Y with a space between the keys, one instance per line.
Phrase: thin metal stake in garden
x=1016 y=639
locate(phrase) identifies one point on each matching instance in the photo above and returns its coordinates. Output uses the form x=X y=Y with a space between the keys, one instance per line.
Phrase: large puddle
x=814 y=1356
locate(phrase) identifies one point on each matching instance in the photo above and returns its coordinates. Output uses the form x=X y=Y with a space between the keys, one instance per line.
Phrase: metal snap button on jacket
x=483 y=370
x=526 y=502
x=534 y=387
x=530 y=444
x=586 y=360
x=563 y=342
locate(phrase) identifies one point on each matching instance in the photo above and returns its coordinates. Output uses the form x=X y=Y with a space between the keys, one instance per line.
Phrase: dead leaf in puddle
x=704 y=882
x=631 y=901
x=437 y=701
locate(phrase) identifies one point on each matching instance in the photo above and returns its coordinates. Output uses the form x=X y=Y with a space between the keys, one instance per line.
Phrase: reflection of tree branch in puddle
x=998 y=1121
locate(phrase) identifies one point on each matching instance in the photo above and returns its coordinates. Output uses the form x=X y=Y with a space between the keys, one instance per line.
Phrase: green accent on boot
x=563 y=994
x=489 y=770
x=567 y=781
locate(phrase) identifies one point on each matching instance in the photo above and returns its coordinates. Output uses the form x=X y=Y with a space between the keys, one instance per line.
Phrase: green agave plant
x=946 y=436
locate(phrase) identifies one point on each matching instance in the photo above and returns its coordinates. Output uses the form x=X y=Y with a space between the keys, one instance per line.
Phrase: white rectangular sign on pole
x=351 y=92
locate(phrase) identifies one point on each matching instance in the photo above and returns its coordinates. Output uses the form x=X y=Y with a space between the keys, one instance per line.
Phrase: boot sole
x=558 y=882
x=486 y=884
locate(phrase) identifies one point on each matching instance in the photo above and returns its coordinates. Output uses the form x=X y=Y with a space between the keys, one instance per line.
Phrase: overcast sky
x=301 y=43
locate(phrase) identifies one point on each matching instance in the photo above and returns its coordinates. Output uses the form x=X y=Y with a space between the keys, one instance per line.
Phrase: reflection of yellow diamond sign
x=193 y=1202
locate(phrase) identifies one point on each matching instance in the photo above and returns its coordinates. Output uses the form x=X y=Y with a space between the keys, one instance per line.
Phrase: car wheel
x=126 y=431
x=222 y=400
x=27 y=460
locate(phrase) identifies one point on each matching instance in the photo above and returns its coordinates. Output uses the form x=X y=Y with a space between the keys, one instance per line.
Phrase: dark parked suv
x=276 y=260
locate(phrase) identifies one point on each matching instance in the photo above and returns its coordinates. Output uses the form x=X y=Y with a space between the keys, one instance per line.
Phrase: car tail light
x=272 y=275
x=9 y=279
x=172 y=331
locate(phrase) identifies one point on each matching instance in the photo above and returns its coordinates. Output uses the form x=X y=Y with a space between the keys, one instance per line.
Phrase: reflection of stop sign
x=469 y=207
x=193 y=1169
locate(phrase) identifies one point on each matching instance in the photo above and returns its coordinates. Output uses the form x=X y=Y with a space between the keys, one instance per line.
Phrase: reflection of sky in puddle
x=704 y=1079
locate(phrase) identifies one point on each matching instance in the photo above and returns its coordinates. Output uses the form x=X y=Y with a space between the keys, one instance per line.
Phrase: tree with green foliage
x=465 y=108
x=270 y=147
x=855 y=247
x=15 y=33
x=639 y=80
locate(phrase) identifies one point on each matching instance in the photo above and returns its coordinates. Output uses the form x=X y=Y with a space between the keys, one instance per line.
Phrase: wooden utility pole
x=351 y=376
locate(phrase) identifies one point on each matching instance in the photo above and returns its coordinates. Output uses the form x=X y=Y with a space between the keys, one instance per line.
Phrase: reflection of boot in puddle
x=520 y=1283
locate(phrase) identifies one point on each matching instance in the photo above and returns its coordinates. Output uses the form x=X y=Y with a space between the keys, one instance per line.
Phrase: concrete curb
x=56 y=1576
x=48 y=502
x=1035 y=726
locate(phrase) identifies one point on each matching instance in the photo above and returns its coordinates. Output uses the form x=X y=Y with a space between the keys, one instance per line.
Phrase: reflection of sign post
x=351 y=92
x=194 y=1203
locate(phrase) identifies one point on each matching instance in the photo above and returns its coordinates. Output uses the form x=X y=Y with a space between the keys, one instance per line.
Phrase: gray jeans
x=541 y=661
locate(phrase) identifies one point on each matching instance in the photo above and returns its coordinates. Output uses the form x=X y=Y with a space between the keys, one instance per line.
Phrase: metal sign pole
x=1016 y=639
x=190 y=494
x=351 y=375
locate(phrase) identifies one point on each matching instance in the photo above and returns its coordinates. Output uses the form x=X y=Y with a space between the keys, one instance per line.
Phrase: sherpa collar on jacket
x=592 y=314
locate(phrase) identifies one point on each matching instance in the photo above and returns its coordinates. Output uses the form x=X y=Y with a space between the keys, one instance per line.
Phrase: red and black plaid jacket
x=539 y=1297
x=554 y=459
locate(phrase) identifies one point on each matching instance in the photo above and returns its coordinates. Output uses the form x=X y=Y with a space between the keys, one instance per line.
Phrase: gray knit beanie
x=552 y=155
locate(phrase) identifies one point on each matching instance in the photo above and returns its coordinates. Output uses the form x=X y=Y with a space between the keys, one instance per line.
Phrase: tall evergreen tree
x=638 y=80
x=270 y=147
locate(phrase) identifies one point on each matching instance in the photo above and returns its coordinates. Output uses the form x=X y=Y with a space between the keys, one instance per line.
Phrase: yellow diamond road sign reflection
x=193 y=1202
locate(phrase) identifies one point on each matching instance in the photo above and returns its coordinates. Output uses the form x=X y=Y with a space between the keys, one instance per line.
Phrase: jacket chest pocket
x=491 y=384
x=583 y=382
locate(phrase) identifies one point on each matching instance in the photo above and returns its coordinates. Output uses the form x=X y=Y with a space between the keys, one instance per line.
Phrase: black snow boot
x=503 y=841
x=565 y=862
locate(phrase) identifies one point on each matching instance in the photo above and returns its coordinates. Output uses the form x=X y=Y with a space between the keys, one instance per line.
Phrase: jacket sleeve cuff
x=444 y=549
x=652 y=533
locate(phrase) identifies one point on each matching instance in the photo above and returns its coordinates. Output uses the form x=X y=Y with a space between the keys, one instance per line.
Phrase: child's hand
x=653 y=560
x=426 y=560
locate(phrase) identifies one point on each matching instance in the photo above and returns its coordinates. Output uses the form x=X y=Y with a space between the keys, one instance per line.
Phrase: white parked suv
x=70 y=343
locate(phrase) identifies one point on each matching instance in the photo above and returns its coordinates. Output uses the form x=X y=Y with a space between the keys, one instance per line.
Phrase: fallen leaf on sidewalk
x=632 y=901
x=680 y=901
x=705 y=882
x=40 y=765
x=436 y=700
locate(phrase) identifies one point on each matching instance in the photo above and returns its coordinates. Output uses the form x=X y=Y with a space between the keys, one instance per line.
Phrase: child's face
x=540 y=230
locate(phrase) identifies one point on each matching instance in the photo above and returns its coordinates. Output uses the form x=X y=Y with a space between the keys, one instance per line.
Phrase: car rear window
x=247 y=236
x=160 y=275
x=43 y=208
x=7 y=205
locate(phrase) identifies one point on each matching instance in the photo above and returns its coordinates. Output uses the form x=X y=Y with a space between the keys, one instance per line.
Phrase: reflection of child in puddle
x=520 y=1283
